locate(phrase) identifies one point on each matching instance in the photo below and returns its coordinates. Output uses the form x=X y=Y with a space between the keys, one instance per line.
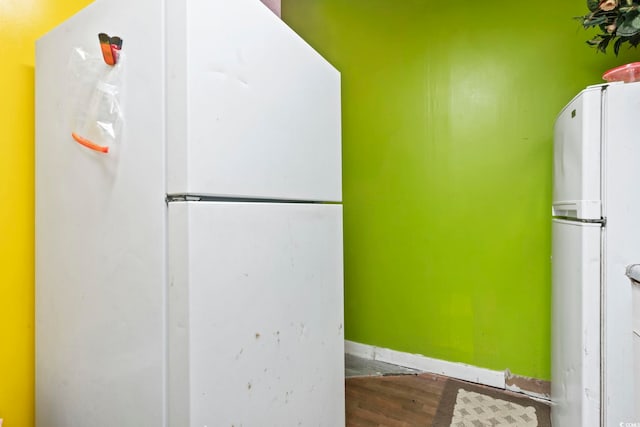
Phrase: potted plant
x=618 y=20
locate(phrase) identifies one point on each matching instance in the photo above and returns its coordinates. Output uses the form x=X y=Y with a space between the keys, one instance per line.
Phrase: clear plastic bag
x=95 y=90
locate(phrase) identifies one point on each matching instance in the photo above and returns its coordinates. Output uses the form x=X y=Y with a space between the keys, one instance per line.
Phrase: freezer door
x=575 y=363
x=577 y=154
x=253 y=110
x=255 y=315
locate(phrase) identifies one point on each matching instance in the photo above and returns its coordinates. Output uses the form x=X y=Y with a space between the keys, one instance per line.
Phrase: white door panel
x=576 y=324
x=255 y=323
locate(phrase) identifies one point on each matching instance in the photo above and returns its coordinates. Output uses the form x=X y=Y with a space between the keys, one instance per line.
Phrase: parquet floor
x=393 y=401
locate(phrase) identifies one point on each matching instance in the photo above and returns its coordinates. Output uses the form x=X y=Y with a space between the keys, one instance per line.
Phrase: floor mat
x=468 y=405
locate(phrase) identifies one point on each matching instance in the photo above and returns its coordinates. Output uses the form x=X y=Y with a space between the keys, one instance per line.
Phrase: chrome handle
x=633 y=273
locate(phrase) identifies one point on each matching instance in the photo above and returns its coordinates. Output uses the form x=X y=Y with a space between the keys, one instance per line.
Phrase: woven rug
x=468 y=405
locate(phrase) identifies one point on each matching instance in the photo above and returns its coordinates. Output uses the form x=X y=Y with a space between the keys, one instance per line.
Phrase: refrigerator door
x=576 y=272
x=633 y=272
x=622 y=247
x=253 y=111
x=577 y=158
x=636 y=346
x=100 y=234
x=255 y=314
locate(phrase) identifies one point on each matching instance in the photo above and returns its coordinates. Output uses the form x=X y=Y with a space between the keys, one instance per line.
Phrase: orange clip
x=83 y=141
x=110 y=47
x=105 y=46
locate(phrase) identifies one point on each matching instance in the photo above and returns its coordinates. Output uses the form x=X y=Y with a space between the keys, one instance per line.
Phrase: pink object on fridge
x=624 y=73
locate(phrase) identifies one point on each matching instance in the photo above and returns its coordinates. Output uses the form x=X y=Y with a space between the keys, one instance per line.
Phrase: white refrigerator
x=596 y=235
x=192 y=275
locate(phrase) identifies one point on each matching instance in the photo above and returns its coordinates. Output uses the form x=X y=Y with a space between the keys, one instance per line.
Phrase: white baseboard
x=419 y=362
x=427 y=364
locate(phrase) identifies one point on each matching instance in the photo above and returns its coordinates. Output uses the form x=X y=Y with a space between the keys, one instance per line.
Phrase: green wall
x=448 y=111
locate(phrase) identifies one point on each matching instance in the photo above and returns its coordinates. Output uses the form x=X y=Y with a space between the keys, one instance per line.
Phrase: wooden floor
x=393 y=401
x=380 y=394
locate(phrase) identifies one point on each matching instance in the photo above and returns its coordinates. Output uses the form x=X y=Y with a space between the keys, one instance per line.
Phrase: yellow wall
x=21 y=23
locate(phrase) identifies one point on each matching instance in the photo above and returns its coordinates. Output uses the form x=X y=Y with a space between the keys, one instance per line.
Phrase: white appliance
x=633 y=272
x=192 y=275
x=596 y=235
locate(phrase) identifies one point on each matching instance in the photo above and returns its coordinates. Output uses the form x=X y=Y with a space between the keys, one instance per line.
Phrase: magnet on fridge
x=92 y=145
x=110 y=47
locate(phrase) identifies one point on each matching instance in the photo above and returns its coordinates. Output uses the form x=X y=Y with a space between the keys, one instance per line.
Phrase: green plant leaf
x=616 y=45
x=630 y=26
x=592 y=21
x=600 y=42
x=618 y=26
x=633 y=41
x=593 y=4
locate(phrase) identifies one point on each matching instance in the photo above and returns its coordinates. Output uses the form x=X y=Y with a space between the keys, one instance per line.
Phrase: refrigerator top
x=595 y=87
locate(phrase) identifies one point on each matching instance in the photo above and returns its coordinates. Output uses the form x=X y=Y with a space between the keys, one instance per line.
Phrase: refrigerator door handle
x=580 y=209
x=633 y=273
